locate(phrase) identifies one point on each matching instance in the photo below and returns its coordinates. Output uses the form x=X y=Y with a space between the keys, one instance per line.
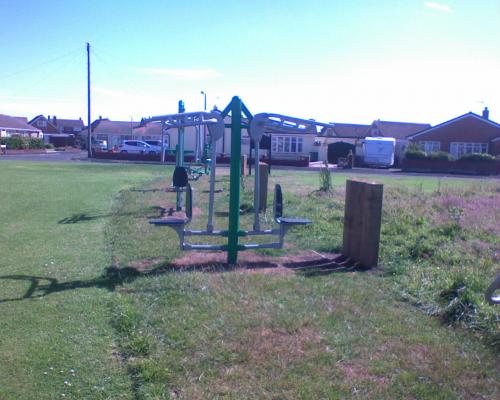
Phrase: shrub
x=325 y=178
x=34 y=143
x=414 y=154
x=440 y=156
x=15 y=142
x=49 y=146
x=479 y=157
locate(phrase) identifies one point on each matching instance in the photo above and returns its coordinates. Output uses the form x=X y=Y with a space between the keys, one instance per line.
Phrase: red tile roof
x=350 y=130
x=6 y=121
x=398 y=130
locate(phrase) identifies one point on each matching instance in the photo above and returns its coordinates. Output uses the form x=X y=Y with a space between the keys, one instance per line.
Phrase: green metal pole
x=180 y=155
x=234 y=181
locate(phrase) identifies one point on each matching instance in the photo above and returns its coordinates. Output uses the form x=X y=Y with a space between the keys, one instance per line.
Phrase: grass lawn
x=92 y=305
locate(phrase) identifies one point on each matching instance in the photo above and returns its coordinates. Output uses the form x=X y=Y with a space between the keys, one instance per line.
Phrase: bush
x=34 y=143
x=478 y=157
x=49 y=146
x=15 y=142
x=440 y=156
x=325 y=178
x=414 y=154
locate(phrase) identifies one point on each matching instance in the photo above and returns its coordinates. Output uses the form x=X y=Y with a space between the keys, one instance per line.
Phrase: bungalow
x=468 y=133
x=17 y=126
x=60 y=132
x=336 y=142
x=112 y=132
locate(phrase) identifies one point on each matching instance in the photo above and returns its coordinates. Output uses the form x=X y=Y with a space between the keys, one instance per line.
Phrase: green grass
x=91 y=307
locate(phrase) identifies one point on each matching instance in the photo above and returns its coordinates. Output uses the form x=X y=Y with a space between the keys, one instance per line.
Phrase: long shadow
x=84 y=217
x=325 y=266
x=113 y=277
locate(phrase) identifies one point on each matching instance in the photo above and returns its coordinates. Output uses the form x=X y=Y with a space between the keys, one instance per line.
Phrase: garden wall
x=454 y=167
x=222 y=159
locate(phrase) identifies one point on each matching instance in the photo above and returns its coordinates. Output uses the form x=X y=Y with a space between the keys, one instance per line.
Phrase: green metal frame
x=236 y=107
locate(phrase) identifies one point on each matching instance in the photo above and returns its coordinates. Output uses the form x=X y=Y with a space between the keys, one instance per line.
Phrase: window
x=430 y=147
x=41 y=123
x=458 y=149
x=286 y=144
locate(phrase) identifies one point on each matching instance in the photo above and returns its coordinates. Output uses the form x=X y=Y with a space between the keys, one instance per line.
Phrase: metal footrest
x=169 y=221
x=293 y=221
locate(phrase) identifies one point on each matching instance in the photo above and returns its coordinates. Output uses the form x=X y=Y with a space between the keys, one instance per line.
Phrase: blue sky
x=342 y=61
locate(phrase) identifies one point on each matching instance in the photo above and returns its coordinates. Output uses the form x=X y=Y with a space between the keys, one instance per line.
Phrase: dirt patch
x=251 y=262
x=355 y=372
x=268 y=344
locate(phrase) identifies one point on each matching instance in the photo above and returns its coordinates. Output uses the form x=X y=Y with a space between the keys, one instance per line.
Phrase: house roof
x=48 y=128
x=22 y=119
x=467 y=115
x=105 y=126
x=73 y=123
x=398 y=130
x=350 y=130
x=148 y=130
x=6 y=121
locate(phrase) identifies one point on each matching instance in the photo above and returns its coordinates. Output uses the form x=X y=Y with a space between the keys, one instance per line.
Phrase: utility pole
x=89 y=129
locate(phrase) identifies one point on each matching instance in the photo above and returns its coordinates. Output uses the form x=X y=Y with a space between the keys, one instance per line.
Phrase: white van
x=379 y=151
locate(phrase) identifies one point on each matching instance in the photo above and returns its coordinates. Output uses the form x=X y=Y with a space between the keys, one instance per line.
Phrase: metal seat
x=490 y=298
x=169 y=221
x=278 y=210
x=178 y=221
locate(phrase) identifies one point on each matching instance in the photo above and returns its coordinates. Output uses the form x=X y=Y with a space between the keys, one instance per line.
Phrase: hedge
x=21 y=142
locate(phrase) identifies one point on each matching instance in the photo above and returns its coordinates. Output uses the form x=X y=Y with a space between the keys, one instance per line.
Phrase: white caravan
x=379 y=151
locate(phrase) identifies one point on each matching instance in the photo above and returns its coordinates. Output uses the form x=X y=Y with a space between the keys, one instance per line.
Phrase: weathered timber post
x=362 y=222
x=263 y=180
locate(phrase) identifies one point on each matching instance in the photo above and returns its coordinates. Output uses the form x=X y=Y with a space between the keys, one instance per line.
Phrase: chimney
x=486 y=113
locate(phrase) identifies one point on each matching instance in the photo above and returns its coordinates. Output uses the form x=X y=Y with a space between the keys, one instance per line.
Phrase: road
x=62 y=156
x=55 y=156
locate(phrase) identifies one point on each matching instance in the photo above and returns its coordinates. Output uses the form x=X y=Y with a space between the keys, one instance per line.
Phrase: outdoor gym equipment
x=490 y=297
x=215 y=123
x=180 y=121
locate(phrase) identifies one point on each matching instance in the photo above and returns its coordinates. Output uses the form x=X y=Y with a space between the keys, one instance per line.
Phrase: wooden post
x=244 y=165
x=263 y=180
x=362 y=222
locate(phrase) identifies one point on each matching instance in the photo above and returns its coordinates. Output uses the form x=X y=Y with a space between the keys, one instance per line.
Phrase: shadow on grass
x=113 y=277
x=325 y=266
x=84 y=217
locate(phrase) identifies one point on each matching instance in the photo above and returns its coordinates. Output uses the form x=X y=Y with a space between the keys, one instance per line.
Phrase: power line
x=30 y=68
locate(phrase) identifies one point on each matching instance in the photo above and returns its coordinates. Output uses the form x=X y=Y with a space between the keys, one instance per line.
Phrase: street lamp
x=204 y=126
x=205 y=100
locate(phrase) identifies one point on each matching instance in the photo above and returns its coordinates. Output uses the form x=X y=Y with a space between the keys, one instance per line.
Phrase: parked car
x=156 y=145
x=99 y=145
x=136 y=147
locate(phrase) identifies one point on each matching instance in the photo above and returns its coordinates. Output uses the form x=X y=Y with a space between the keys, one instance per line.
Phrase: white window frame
x=430 y=146
x=287 y=144
x=458 y=149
